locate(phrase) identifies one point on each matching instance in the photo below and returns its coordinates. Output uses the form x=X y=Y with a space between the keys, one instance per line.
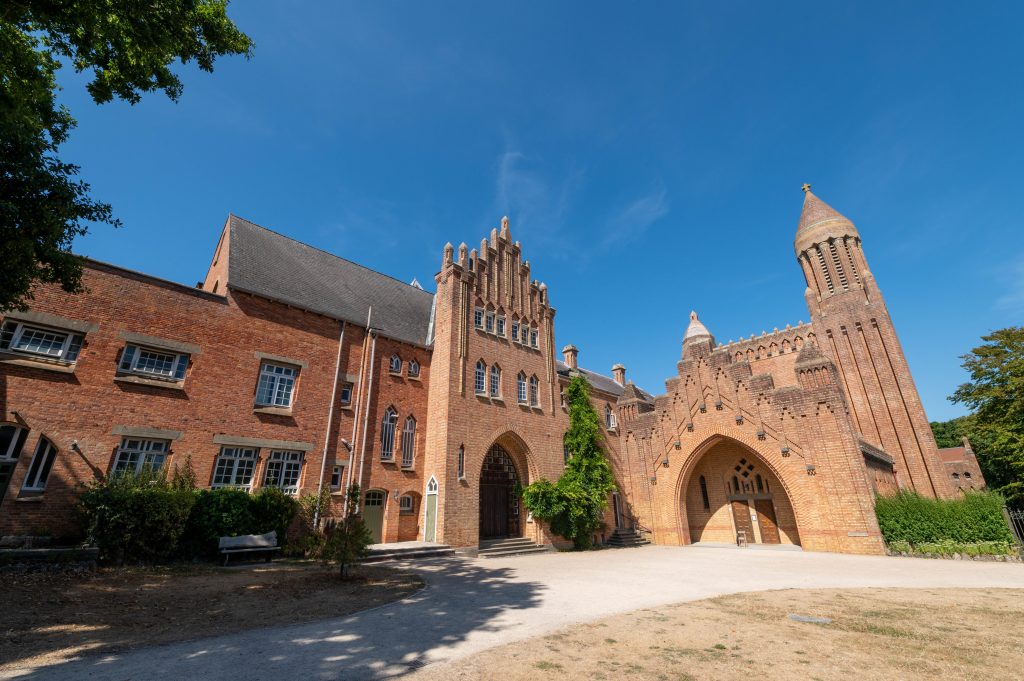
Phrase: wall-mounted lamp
x=739 y=419
x=75 y=447
x=679 y=445
x=760 y=435
x=689 y=427
x=785 y=451
x=395 y=493
x=664 y=462
x=654 y=480
x=811 y=470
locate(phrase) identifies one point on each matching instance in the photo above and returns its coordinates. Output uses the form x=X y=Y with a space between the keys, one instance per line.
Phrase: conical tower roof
x=696 y=330
x=820 y=222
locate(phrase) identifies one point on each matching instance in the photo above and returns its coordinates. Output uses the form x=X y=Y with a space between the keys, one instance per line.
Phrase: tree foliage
x=129 y=48
x=574 y=506
x=349 y=539
x=995 y=393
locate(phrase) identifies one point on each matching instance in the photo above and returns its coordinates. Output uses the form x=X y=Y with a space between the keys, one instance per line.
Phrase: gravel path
x=472 y=605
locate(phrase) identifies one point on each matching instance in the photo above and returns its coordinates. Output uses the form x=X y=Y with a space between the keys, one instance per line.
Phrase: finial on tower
x=806 y=187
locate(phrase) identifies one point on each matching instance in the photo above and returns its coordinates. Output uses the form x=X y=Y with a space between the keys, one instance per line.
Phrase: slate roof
x=271 y=265
x=597 y=381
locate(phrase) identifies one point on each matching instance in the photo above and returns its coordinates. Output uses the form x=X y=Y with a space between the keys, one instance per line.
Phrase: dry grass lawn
x=874 y=634
x=49 y=618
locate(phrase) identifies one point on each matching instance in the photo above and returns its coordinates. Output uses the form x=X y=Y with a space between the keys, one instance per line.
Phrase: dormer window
x=414 y=368
x=395 y=364
x=39 y=342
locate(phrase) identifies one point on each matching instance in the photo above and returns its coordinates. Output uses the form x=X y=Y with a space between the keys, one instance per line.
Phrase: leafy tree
x=995 y=393
x=350 y=539
x=129 y=47
x=952 y=433
x=574 y=506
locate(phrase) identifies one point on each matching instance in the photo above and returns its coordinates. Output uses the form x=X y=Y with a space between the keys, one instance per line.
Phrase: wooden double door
x=499 y=503
x=760 y=511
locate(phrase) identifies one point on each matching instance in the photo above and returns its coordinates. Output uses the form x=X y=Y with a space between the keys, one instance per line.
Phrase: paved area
x=471 y=605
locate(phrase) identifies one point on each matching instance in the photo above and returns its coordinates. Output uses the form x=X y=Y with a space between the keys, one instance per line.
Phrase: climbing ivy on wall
x=574 y=506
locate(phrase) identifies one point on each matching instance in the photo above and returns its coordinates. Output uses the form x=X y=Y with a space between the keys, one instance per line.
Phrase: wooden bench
x=249 y=543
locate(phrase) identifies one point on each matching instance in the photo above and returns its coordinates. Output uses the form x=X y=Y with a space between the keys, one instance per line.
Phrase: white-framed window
x=406 y=504
x=478 y=318
x=387 y=434
x=337 y=473
x=515 y=332
x=39 y=469
x=479 y=377
x=284 y=469
x=460 y=463
x=136 y=455
x=499 y=326
x=276 y=385
x=137 y=359
x=235 y=467
x=495 y=380
x=12 y=439
x=533 y=391
x=414 y=368
x=521 y=387
x=346 y=393
x=395 y=364
x=533 y=338
x=489 y=322
x=38 y=341
x=609 y=417
x=408 y=442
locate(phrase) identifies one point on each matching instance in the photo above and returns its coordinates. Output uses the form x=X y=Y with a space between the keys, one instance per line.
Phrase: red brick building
x=290 y=367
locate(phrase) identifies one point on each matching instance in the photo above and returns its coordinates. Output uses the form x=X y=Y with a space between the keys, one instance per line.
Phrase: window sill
x=29 y=496
x=408 y=468
x=346 y=407
x=497 y=398
x=396 y=374
x=45 y=365
x=407 y=513
x=154 y=382
x=274 y=411
x=415 y=378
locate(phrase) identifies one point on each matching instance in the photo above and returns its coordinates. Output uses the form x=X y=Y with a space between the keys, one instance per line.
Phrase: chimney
x=619 y=373
x=570 y=354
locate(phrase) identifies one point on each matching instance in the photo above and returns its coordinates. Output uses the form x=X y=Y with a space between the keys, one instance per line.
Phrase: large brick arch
x=517 y=448
x=761 y=452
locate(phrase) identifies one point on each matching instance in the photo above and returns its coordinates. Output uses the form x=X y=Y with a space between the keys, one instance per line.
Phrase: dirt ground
x=874 y=634
x=55 y=617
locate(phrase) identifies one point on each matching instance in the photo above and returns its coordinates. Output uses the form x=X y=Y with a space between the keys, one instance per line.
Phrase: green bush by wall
x=975 y=517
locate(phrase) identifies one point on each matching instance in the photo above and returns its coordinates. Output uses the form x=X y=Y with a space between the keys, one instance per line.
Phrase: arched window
x=461 y=463
x=406 y=504
x=521 y=387
x=609 y=417
x=704 y=493
x=395 y=364
x=495 y=380
x=432 y=486
x=478 y=379
x=760 y=483
x=414 y=368
x=408 y=442
x=533 y=391
x=39 y=469
x=735 y=484
x=387 y=434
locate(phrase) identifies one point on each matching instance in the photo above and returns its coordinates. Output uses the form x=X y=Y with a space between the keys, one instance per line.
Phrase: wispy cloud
x=536 y=197
x=635 y=218
x=1013 y=299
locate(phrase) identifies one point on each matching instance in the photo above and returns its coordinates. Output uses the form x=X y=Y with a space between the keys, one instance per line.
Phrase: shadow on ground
x=461 y=598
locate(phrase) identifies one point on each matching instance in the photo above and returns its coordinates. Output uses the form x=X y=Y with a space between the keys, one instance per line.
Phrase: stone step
x=514 y=551
x=497 y=543
x=381 y=555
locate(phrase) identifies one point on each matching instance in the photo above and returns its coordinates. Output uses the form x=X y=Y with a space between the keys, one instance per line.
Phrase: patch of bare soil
x=873 y=634
x=53 y=617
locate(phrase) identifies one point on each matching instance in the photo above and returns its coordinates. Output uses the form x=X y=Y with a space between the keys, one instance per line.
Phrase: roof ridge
x=326 y=252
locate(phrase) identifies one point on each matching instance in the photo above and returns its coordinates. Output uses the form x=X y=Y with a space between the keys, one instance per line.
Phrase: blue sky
x=649 y=156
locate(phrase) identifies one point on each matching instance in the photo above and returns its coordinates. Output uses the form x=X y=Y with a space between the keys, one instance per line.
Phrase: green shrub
x=217 y=513
x=273 y=510
x=948 y=548
x=136 y=518
x=349 y=539
x=975 y=517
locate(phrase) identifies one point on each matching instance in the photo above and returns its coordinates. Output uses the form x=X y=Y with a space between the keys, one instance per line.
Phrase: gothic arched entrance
x=499 y=503
x=732 y=495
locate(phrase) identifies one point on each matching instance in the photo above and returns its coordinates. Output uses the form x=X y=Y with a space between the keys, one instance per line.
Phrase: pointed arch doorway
x=499 y=502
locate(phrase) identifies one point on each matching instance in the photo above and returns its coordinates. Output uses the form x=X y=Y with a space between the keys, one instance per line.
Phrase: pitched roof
x=953 y=454
x=274 y=266
x=598 y=381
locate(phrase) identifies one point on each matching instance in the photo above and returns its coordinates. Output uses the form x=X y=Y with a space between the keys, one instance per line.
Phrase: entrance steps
x=407 y=550
x=623 y=538
x=515 y=546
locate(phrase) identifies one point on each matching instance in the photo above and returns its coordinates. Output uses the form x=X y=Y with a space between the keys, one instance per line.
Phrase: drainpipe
x=330 y=419
x=366 y=412
x=358 y=405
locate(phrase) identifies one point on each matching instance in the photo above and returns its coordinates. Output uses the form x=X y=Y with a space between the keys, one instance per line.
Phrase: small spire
x=806 y=187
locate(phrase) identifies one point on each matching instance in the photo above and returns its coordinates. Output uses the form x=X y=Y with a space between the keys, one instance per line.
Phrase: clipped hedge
x=136 y=519
x=975 y=517
x=949 y=548
x=231 y=512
